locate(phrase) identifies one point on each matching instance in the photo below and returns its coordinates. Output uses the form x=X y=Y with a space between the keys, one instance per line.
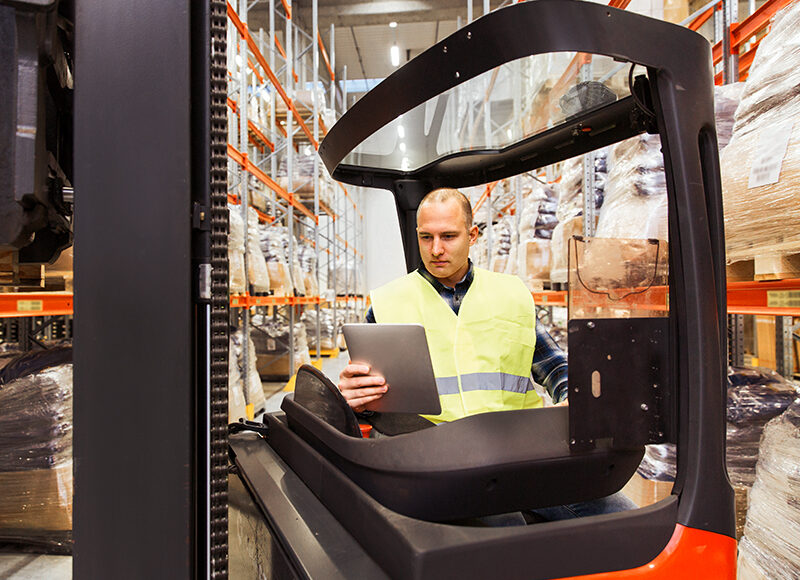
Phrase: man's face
x=444 y=240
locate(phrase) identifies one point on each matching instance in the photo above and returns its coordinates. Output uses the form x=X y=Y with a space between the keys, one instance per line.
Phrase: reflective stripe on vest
x=482 y=356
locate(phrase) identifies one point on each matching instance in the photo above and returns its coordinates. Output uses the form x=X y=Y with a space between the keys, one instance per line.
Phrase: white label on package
x=769 y=155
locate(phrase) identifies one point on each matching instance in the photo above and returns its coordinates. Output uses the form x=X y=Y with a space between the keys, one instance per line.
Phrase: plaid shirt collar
x=461 y=286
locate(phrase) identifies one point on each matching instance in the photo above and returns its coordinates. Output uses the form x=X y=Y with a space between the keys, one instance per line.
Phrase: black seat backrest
x=314 y=391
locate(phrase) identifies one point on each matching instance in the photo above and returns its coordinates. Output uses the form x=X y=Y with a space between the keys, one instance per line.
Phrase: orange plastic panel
x=690 y=553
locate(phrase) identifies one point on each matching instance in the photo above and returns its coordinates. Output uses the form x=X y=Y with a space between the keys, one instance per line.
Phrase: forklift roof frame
x=680 y=78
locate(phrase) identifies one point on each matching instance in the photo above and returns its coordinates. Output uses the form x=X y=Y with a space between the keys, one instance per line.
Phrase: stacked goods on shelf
x=237 y=274
x=346 y=277
x=504 y=247
x=328 y=330
x=636 y=191
x=237 y=406
x=761 y=164
x=769 y=547
x=570 y=208
x=286 y=275
x=307 y=260
x=755 y=396
x=270 y=339
x=253 y=391
x=36 y=450
x=302 y=171
x=257 y=272
x=536 y=223
x=272 y=243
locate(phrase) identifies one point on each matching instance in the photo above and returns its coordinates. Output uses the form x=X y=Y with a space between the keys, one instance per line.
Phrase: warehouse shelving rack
x=331 y=227
x=734 y=47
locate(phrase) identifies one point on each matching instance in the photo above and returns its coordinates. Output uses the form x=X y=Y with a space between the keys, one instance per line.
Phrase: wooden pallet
x=778 y=266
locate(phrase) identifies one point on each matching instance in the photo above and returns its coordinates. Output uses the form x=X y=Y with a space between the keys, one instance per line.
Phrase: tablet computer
x=399 y=353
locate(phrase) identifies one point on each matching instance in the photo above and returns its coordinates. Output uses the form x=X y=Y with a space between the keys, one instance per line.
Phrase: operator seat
x=484 y=464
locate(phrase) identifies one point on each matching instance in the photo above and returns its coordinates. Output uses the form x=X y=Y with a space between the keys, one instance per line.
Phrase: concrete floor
x=23 y=566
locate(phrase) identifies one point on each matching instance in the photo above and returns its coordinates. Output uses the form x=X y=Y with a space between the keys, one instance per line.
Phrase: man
x=480 y=323
x=482 y=333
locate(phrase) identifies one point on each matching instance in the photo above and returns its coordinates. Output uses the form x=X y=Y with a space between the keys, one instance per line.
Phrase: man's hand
x=564 y=403
x=359 y=388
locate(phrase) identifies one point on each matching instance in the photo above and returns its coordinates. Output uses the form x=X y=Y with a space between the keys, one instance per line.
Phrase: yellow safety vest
x=482 y=356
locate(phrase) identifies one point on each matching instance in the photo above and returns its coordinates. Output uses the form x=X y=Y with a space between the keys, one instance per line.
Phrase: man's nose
x=437 y=246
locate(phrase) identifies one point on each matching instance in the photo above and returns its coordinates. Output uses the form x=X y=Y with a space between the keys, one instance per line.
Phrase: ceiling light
x=393 y=24
x=402 y=147
x=394 y=53
x=401 y=131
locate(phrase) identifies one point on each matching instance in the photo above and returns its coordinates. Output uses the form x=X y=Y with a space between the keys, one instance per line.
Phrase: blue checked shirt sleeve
x=549 y=367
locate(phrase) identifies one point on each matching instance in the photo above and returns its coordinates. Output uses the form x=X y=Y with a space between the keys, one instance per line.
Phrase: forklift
x=338 y=505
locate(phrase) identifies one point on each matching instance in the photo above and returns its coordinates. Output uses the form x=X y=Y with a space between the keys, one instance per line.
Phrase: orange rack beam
x=19 y=304
x=487 y=192
x=550 y=298
x=242 y=159
x=325 y=57
x=245 y=33
x=246 y=301
x=773 y=298
x=234 y=106
x=741 y=32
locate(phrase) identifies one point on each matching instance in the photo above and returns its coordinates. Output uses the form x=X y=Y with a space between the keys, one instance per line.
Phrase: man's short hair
x=446 y=193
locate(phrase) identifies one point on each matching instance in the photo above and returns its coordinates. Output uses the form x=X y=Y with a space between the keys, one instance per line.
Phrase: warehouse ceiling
x=363 y=38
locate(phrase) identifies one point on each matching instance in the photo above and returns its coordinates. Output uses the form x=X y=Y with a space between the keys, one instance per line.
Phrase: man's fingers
x=364 y=381
x=356 y=394
x=353 y=370
x=358 y=404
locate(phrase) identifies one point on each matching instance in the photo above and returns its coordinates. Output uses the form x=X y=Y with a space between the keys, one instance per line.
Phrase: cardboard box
x=37 y=500
x=644 y=492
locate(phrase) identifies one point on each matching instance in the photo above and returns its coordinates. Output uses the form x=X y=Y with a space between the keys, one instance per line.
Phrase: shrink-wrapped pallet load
x=36 y=450
x=327 y=328
x=533 y=253
x=257 y=273
x=770 y=548
x=761 y=164
x=570 y=208
x=253 y=390
x=635 y=206
x=237 y=273
x=271 y=240
x=502 y=245
x=754 y=397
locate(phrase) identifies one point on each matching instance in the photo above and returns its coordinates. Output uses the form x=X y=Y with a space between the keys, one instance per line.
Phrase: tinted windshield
x=493 y=110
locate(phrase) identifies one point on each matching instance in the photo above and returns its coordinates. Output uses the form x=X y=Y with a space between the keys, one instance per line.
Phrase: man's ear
x=473 y=235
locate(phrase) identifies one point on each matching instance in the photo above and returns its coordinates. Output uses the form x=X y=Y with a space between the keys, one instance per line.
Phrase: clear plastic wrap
x=258 y=276
x=658 y=463
x=237 y=274
x=570 y=199
x=755 y=396
x=253 y=390
x=307 y=260
x=726 y=101
x=770 y=547
x=273 y=241
x=328 y=330
x=301 y=350
x=237 y=407
x=761 y=164
x=502 y=244
x=635 y=204
x=559 y=247
x=36 y=459
x=347 y=276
